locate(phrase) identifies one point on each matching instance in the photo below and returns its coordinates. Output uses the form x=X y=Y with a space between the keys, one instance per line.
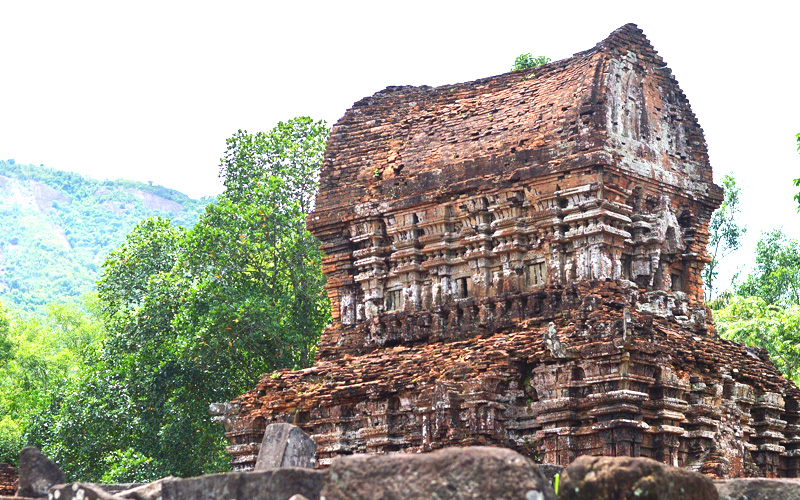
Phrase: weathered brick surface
x=8 y=479
x=516 y=261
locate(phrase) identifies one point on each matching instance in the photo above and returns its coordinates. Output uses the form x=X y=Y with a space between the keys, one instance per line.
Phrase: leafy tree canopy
x=725 y=233
x=41 y=356
x=290 y=154
x=755 y=322
x=197 y=316
x=776 y=277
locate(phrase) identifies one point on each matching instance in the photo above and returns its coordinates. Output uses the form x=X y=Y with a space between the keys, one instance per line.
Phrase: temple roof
x=614 y=104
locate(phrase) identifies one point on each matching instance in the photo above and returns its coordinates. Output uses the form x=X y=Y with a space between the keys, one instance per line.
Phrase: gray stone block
x=37 y=473
x=550 y=470
x=285 y=445
x=452 y=473
x=274 y=484
x=759 y=489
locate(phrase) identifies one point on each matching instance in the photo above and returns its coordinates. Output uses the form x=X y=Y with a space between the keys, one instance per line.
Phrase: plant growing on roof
x=528 y=61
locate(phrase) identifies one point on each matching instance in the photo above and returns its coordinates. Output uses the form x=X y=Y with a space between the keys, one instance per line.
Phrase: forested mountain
x=56 y=229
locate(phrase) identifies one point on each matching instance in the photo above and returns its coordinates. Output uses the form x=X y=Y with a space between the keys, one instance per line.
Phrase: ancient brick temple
x=516 y=261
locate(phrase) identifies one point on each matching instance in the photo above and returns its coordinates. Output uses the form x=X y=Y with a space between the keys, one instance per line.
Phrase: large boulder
x=759 y=489
x=451 y=473
x=285 y=445
x=626 y=478
x=37 y=473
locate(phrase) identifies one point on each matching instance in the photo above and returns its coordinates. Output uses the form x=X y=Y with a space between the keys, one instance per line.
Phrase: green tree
x=527 y=61
x=6 y=344
x=47 y=354
x=776 y=277
x=725 y=233
x=151 y=249
x=253 y=245
x=290 y=154
x=198 y=316
x=755 y=322
x=136 y=405
x=10 y=431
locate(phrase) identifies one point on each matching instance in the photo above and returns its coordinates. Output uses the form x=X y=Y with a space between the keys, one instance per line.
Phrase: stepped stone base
x=599 y=368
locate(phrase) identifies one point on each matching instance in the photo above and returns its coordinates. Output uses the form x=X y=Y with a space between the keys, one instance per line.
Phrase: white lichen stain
x=534 y=495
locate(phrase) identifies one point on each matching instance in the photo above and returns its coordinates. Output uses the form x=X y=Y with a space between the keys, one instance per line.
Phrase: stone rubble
x=452 y=473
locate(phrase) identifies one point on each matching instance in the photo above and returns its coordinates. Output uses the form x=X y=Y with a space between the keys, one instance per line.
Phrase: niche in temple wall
x=658 y=241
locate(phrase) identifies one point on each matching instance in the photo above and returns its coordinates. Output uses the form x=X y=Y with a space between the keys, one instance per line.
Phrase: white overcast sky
x=150 y=90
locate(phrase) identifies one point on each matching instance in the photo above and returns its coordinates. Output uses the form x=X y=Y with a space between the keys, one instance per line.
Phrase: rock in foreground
x=625 y=478
x=453 y=473
x=37 y=473
x=759 y=489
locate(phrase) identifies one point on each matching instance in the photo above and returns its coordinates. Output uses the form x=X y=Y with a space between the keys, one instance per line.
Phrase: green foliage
x=88 y=425
x=6 y=343
x=149 y=250
x=46 y=354
x=290 y=155
x=197 y=316
x=59 y=226
x=766 y=312
x=776 y=277
x=125 y=466
x=797 y=181
x=755 y=322
x=725 y=233
x=528 y=61
x=133 y=410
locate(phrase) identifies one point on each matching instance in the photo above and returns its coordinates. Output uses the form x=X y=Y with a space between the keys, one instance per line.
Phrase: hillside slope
x=56 y=229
